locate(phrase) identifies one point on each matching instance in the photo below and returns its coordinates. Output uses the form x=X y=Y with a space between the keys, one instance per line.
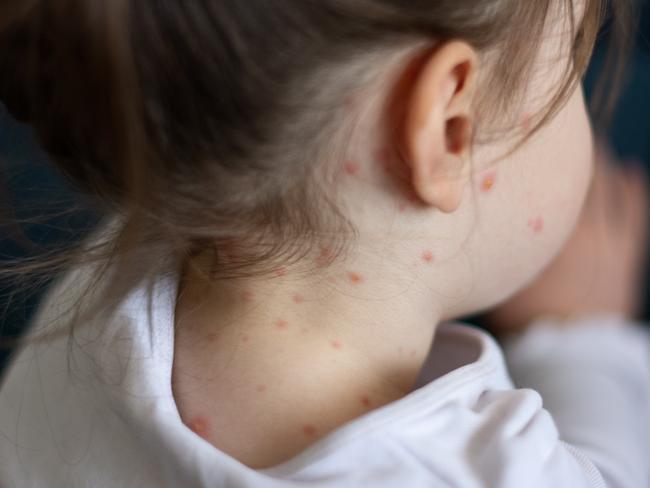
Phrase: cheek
x=530 y=206
x=571 y=166
x=561 y=176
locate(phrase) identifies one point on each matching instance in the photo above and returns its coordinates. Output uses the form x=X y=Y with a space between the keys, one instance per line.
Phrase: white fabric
x=99 y=412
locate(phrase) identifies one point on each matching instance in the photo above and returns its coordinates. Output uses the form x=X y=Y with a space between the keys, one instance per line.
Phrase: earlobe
x=438 y=123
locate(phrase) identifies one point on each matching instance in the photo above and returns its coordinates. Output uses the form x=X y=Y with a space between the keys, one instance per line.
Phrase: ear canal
x=458 y=134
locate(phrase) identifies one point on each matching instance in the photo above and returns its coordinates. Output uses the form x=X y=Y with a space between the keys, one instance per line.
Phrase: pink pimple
x=382 y=154
x=261 y=388
x=487 y=183
x=527 y=121
x=309 y=430
x=297 y=298
x=365 y=400
x=280 y=272
x=247 y=296
x=281 y=324
x=351 y=168
x=427 y=257
x=355 y=278
x=402 y=207
x=211 y=337
x=199 y=426
x=382 y=157
x=536 y=224
x=245 y=338
x=324 y=256
x=336 y=344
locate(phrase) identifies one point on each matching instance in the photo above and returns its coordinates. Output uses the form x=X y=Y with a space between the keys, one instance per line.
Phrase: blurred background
x=34 y=188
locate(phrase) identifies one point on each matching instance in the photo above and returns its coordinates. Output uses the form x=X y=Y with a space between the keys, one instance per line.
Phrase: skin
x=601 y=269
x=439 y=244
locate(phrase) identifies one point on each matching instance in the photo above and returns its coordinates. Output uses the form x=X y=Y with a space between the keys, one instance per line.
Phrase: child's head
x=305 y=135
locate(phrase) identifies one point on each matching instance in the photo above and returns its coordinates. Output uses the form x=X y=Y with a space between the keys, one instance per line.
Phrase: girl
x=299 y=197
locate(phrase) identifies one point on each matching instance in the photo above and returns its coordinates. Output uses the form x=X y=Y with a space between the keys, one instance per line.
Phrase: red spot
x=427 y=257
x=280 y=272
x=536 y=224
x=336 y=344
x=324 y=257
x=365 y=400
x=199 y=426
x=352 y=168
x=211 y=337
x=261 y=388
x=245 y=338
x=355 y=278
x=527 y=121
x=382 y=154
x=309 y=430
x=297 y=298
x=382 y=157
x=402 y=207
x=281 y=324
x=488 y=182
x=247 y=296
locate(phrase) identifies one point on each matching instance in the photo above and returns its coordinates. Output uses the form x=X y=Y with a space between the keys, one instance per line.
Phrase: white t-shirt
x=98 y=412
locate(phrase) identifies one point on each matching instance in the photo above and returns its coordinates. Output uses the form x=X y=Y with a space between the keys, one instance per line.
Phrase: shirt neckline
x=160 y=342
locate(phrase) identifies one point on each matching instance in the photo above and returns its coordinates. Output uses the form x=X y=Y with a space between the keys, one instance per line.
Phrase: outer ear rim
x=443 y=90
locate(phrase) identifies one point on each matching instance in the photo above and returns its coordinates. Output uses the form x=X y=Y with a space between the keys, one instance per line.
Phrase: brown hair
x=169 y=113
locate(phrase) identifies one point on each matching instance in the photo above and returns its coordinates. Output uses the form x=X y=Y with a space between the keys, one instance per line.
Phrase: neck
x=379 y=322
x=322 y=348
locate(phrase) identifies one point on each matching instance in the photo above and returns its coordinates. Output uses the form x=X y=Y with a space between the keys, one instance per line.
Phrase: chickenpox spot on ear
x=247 y=296
x=280 y=272
x=211 y=337
x=298 y=298
x=487 y=182
x=336 y=344
x=402 y=207
x=261 y=388
x=427 y=257
x=309 y=430
x=537 y=225
x=200 y=426
x=365 y=401
x=245 y=338
x=352 y=168
x=354 y=277
x=281 y=324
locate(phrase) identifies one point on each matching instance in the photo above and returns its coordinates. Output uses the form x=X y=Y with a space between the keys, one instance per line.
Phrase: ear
x=438 y=123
